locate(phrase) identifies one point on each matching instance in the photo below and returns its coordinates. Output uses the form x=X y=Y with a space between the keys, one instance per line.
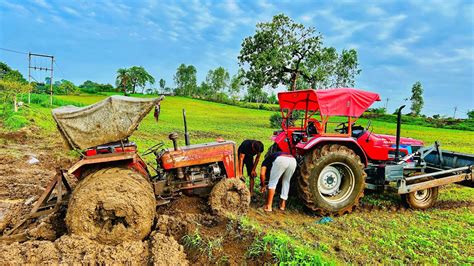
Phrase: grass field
x=441 y=235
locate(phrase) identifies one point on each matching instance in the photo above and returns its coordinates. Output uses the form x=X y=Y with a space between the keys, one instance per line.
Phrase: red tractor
x=338 y=159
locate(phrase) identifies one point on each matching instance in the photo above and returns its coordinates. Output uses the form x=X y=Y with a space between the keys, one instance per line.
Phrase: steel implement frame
x=42 y=207
x=454 y=175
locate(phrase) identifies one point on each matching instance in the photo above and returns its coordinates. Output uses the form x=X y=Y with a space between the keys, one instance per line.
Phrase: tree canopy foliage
x=283 y=51
x=129 y=79
x=416 y=98
x=185 y=80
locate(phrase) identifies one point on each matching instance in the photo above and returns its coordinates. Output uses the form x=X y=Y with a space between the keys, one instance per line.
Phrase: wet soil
x=29 y=159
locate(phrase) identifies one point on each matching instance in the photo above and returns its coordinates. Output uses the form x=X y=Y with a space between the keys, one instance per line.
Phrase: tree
x=162 y=85
x=94 y=87
x=139 y=77
x=255 y=94
x=9 y=91
x=204 y=90
x=236 y=85
x=416 y=99
x=185 y=80
x=7 y=73
x=67 y=87
x=470 y=114
x=218 y=81
x=123 y=80
x=281 y=51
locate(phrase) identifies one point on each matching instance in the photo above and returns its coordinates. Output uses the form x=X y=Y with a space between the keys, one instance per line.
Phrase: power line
x=12 y=51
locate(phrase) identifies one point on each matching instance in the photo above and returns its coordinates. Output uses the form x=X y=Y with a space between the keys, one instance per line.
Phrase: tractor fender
x=348 y=142
x=281 y=141
x=128 y=159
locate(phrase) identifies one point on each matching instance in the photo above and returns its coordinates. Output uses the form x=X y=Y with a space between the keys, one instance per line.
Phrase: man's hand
x=263 y=189
x=254 y=173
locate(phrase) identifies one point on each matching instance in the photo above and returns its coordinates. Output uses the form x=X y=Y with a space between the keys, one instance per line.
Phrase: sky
x=398 y=42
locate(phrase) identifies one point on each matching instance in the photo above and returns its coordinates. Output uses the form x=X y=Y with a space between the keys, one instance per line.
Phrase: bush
x=44 y=100
x=15 y=121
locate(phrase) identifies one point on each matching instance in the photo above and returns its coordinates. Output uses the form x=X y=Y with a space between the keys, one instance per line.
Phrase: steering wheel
x=341 y=128
x=153 y=148
x=368 y=124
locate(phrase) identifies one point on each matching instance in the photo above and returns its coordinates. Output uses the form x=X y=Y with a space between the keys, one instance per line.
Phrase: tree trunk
x=294 y=77
x=15 y=104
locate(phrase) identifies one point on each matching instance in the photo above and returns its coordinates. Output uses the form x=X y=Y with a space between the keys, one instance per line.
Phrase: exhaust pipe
x=186 y=134
x=174 y=137
x=399 y=122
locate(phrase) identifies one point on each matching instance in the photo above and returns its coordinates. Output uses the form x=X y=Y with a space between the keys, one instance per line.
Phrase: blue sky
x=399 y=42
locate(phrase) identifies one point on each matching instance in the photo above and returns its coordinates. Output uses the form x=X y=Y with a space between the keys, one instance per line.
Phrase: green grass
x=439 y=235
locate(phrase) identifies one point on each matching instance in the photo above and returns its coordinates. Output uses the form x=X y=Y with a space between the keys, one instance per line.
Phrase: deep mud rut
x=21 y=183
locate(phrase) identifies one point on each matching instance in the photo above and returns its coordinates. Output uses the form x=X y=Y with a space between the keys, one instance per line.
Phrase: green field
x=441 y=235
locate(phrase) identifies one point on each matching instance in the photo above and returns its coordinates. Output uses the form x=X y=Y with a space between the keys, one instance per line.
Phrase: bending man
x=275 y=166
x=247 y=150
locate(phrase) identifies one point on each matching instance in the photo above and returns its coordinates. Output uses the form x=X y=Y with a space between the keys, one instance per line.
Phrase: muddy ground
x=184 y=231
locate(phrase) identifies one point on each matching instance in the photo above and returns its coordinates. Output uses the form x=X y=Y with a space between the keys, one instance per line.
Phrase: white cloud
x=447 y=8
x=265 y=4
x=375 y=11
x=231 y=6
x=18 y=8
x=71 y=11
x=203 y=16
x=389 y=25
x=454 y=56
x=42 y=3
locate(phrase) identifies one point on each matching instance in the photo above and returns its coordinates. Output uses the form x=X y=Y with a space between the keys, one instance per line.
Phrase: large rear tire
x=112 y=205
x=332 y=180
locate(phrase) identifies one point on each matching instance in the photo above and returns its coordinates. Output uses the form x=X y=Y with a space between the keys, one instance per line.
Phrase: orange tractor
x=117 y=193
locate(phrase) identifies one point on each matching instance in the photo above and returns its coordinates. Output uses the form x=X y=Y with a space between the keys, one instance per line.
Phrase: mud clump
x=166 y=251
x=230 y=196
x=74 y=249
x=112 y=205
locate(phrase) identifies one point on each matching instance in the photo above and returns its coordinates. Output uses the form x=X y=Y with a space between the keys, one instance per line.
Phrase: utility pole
x=29 y=76
x=386 y=103
x=30 y=55
x=455 y=109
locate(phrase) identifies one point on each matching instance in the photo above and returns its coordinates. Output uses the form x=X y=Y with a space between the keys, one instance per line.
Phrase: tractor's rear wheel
x=230 y=196
x=332 y=180
x=112 y=205
x=421 y=199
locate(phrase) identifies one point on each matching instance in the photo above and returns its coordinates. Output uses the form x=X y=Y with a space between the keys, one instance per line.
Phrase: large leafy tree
x=283 y=51
x=139 y=77
x=67 y=87
x=185 y=80
x=218 y=80
x=7 y=73
x=416 y=98
x=129 y=79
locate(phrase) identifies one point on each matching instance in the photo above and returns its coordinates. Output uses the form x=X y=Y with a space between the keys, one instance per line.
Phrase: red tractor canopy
x=332 y=102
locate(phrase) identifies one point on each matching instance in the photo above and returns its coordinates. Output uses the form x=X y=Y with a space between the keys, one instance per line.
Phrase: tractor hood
x=391 y=140
x=110 y=120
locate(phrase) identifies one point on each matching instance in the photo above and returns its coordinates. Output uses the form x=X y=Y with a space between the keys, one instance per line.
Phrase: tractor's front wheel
x=421 y=199
x=230 y=196
x=332 y=180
